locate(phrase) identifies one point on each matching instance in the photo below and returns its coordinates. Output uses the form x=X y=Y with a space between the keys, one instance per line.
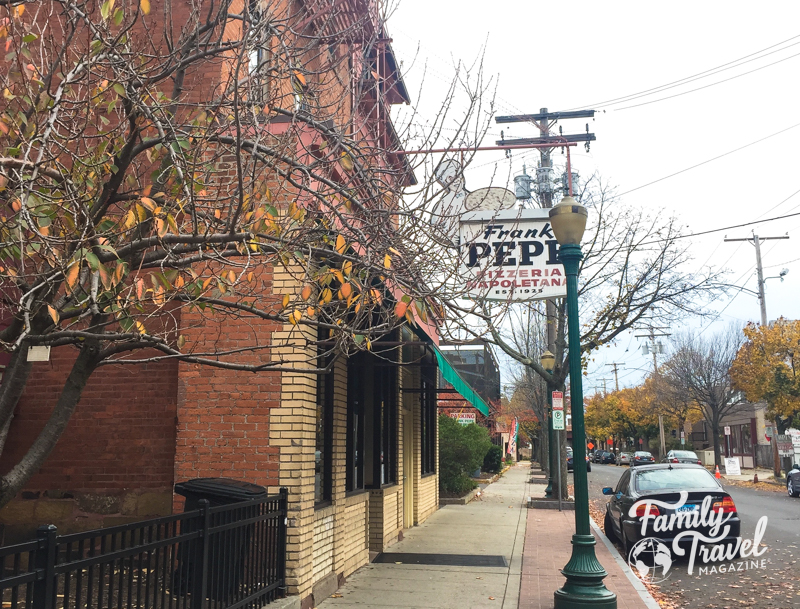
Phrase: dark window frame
x=385 y=428
x=354 y=441
x=260 y=58
x=325 y=390
x=428 y=420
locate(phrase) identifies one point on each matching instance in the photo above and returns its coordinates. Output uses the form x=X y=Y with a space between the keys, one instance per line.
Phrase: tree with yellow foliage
x=766 y=369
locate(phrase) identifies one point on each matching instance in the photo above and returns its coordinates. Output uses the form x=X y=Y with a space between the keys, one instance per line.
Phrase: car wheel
x=790 y=488
x=588 y=467
x=608 y=527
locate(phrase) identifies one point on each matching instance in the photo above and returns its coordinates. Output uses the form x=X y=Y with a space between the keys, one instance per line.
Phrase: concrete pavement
x=494 y=524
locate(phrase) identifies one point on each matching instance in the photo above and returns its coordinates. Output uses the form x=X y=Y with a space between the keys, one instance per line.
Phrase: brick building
x=477 y=398
x=356 y=447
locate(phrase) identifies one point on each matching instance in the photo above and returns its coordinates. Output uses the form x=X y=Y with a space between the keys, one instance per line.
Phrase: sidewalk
x=494 y=525
x=534 y=543
x=548 y=548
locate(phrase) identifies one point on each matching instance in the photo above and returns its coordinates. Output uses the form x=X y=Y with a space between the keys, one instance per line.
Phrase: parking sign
x=558 y=410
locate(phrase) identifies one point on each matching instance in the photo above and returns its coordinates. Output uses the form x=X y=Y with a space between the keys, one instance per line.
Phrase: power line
x=717 y=230
x=772 y=266
x=672 y=175
x=719 y=82
x=709 y=72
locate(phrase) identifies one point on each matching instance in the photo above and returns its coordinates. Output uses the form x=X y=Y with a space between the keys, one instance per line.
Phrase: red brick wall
x=121 y=436
x=223 y=415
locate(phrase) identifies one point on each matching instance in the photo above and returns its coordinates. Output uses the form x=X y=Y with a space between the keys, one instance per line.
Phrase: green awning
x=452 y=376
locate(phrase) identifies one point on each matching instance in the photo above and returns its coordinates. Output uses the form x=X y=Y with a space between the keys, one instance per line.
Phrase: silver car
x=624 y=458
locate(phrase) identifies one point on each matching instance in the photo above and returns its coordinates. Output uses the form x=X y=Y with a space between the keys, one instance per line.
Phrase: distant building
x=478 y=368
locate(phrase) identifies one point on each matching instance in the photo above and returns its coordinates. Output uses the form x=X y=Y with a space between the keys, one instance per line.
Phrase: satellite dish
x=490 y=199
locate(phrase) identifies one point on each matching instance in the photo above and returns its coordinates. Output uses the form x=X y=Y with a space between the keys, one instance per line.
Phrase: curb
x=641 y=589
x=463 y=500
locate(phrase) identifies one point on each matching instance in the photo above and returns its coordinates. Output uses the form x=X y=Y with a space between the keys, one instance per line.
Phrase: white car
x=624 y=458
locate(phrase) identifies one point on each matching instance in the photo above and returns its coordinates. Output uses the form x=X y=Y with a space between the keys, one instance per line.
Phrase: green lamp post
x=548 y=361
x=584 y=574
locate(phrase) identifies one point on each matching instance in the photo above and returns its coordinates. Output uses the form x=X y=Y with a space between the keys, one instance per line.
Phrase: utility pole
x=616 y=374
x=544 y=121
x=656 y=349
x=605 y=389
x=756 y=241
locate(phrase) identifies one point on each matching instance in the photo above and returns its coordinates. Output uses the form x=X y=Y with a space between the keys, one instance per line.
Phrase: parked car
x=624 y=458
x=606 y=457
x=571 y=463
x=793 y=481
x=596 y=456
x=664 y=482
x=681 y=456
x=642 y=457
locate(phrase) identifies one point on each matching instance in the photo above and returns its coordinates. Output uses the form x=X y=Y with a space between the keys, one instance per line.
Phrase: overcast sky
x=581 y=54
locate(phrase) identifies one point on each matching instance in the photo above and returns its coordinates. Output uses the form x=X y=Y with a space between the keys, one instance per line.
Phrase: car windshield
x=640 y=453
x=684 y=479
x=684 y=454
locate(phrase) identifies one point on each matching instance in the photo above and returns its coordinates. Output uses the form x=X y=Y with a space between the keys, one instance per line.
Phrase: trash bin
x=227 y=549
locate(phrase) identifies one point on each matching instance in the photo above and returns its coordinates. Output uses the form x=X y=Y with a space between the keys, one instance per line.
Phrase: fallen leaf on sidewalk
x=491 y=598
x=336 y=596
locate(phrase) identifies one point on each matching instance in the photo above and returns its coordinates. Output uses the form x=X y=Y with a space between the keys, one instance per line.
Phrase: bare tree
x=700 y=371
x=164 y=168
x=635 y=265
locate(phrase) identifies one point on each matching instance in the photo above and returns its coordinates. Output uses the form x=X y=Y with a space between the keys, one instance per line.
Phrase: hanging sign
x=465 y=418
x=510 y=255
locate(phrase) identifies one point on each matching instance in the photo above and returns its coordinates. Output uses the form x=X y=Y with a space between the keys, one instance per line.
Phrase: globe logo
x=651 y=560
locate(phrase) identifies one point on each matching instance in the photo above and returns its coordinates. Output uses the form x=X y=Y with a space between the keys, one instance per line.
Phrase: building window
x=427 y=412
x=354 y=480
x=741 y=442
x=371 y=422
x=385 y=425
x=259 y=56
x=323 y=452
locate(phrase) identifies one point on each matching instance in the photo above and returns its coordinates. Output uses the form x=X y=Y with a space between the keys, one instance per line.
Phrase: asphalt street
x=777 y=585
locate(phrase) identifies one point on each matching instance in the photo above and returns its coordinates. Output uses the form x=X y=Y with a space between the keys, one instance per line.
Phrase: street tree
x=635 y=266
x=163 y=165
x=700 y=370
x=766 y=370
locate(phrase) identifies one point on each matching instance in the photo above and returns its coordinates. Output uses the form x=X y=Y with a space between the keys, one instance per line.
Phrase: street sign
x=683 y=441
x=558 y=410
x=465 y=418
x=785 y=446
x=732 y=467
x=727 y=430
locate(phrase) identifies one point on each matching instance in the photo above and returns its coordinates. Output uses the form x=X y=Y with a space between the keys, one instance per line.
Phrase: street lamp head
x=568 y=219
x=548 y=360
x=783 y=273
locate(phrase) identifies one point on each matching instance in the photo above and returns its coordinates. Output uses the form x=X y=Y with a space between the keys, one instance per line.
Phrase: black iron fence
x=225 y=557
